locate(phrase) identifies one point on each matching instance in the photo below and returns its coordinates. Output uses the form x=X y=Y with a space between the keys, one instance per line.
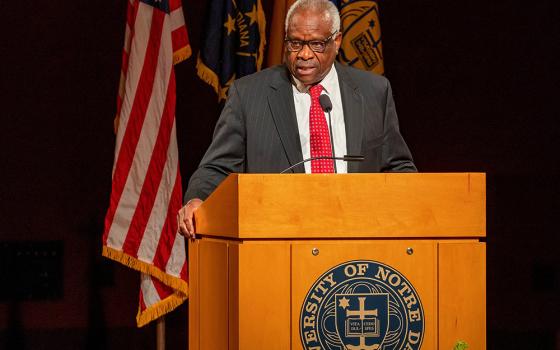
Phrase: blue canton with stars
x=233 y=46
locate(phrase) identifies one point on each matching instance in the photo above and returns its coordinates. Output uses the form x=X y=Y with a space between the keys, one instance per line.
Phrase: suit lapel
x=281 y=102
x=352 y=106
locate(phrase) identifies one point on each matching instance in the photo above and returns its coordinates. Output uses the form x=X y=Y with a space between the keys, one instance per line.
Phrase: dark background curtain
x=476 y=85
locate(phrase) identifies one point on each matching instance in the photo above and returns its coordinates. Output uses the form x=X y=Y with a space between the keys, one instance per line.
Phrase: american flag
x=141 y=224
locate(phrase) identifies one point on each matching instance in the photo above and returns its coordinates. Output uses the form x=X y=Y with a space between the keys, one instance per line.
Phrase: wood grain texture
x=462 y=294
x=194 y=294
x=219 y=212
x=249 y=294
x=264 y=296
x=252 y=267
x=213 y=297
x=347 y=206
x=233 y=297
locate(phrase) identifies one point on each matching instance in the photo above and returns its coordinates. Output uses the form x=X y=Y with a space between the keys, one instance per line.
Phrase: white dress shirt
x=302 y=101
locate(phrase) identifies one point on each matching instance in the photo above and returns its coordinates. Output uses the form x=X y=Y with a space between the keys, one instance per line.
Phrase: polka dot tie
x=319 y=138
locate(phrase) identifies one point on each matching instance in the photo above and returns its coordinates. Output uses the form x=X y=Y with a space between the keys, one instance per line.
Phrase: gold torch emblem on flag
x=361 y=35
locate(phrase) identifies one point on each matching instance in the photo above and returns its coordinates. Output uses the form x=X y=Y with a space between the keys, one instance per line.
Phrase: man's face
x=308 y=66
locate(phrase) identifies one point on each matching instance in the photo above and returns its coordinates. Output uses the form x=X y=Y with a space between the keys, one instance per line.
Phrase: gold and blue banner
x=361 y=35
x=233 y=44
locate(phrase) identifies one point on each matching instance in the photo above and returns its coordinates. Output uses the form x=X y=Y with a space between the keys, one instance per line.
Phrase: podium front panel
x=403 y=271
x=273 y=294
x=260 y=305
x=462 y=289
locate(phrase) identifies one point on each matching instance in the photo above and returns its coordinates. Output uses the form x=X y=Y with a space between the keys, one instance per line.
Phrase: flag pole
x=160 y=333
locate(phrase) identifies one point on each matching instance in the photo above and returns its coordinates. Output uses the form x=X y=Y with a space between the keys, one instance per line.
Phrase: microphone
x=326 y=104
x=346 y=158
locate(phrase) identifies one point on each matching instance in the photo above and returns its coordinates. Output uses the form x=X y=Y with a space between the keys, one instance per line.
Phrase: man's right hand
x=185 y=217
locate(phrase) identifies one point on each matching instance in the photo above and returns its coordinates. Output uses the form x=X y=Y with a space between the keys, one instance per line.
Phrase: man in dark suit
x=272 y=119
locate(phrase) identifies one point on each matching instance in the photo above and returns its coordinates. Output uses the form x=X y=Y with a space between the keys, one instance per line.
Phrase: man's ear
x=338 y=40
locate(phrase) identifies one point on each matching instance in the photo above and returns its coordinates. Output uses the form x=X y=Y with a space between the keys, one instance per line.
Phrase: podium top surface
x=385 y=205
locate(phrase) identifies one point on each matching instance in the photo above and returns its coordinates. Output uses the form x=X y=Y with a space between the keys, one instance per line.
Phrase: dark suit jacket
x=257 y=131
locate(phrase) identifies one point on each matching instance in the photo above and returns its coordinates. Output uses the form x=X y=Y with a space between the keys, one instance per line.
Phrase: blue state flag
x=233 y=44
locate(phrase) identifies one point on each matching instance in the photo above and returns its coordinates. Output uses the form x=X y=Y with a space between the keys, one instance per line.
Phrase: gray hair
x=325 y=6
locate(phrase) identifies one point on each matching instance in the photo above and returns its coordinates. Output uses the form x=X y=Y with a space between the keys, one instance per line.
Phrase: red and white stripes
x=140 y=225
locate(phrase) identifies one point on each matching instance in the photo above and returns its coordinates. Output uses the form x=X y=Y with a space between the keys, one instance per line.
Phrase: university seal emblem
x=362 y=305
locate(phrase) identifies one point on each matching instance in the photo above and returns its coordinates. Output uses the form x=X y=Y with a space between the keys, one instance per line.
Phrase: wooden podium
x=263 y=241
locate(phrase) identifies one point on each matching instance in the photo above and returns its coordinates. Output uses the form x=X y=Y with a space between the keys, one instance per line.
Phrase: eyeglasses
x=314 y=45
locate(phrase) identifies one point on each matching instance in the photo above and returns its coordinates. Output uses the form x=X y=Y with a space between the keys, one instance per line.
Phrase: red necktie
x=319 y=134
